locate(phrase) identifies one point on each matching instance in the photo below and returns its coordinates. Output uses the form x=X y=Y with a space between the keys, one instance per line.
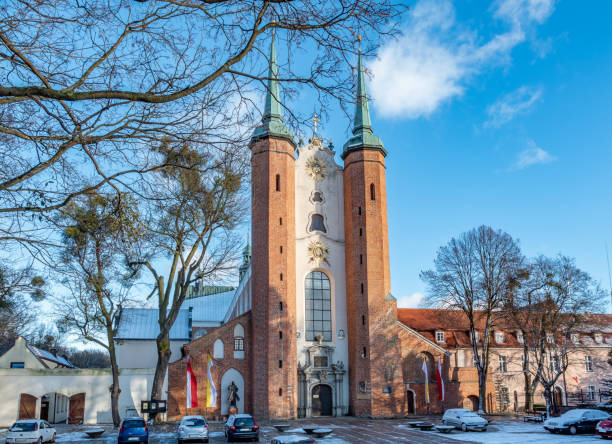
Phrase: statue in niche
x=232 y=396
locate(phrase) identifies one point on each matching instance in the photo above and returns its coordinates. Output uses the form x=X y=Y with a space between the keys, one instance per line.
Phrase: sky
x=499 y=114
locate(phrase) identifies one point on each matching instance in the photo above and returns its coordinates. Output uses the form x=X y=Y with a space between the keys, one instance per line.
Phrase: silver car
x=465 y=420
x=193 y=428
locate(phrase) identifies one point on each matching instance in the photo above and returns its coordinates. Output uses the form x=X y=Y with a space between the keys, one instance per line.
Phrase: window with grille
x=318 y=306
x=503 y=364
x=591 y=393
x=440 y=336
x=520 y=338
x=238 y=344
x=588 y=362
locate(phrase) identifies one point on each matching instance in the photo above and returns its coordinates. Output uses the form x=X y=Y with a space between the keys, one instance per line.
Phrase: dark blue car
x=133 y=430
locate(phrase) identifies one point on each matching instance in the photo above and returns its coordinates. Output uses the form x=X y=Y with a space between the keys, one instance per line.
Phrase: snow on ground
x=329 y=439
x=82 y=437
x=507 y=432
x=215 y=434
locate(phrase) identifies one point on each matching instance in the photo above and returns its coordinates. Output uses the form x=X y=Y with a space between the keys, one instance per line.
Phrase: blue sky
x=495 y=114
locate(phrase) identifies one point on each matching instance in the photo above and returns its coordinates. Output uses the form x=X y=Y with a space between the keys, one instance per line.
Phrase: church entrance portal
x=321 y=400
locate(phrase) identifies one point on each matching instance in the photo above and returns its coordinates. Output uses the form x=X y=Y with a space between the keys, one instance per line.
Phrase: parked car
x=241 y=426
x=604 y=428
x=465 y=420
x=576 y=421
x=193 y=428
x=133 y=430
x=33 y=431
x=606 y=406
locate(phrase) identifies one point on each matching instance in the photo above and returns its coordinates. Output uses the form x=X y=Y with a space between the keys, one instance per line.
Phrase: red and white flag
x=440 y=381
x=192 y=387
x=575 y=378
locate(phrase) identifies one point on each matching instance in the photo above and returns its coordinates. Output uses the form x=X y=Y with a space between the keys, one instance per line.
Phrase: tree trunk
x=547 y=397
x=115 y=387
x=482 y=391
x=163 y=357
x=528 y=392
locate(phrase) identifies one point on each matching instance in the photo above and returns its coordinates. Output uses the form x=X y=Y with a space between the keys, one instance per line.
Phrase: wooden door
x=27 y=406
x=321 y=400
x=76 y=408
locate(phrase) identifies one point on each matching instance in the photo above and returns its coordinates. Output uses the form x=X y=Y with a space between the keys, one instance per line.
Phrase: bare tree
x=190 y=223
x=472 y=274
x=97 y=229
x=86 y=88
x=549 y=303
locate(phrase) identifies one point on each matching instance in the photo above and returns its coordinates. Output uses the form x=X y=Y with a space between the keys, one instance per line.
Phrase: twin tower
x=371 y=310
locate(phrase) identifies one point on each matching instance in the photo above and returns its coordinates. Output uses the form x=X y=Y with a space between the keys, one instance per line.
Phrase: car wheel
x=573 y=430
x=40 y=440
x=463 y=427
x=484 y=429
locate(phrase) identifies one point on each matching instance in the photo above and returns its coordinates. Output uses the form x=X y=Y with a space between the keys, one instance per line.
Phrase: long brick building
x=312 y=328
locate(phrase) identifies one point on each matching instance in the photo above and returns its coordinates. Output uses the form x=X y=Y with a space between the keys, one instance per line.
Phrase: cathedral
x=314 y=311
x=312 y=329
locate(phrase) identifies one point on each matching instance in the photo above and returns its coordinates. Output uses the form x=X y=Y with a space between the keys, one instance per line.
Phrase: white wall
x=135 y=387
x=20 y=353
x=132 y=353
x=332 y=209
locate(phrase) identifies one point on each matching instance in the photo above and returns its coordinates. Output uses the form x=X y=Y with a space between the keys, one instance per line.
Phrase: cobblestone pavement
x=345 y=430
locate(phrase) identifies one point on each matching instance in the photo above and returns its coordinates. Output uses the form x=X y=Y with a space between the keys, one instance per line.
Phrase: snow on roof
x=48 y=356
x=141 y=323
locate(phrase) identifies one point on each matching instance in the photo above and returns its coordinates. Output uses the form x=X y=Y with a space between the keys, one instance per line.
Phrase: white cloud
x=511 y=104
x=532 y=156
x=410 y=301
x=431 y=62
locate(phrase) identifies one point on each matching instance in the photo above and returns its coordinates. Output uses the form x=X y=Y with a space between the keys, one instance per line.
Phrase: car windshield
x=572 y=414
x=195 y=422
x=133 y=424
x=470 y=414
x=24 y=427
x=240 y=422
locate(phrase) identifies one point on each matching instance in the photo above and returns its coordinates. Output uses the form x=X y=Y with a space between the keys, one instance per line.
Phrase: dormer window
x=499 y=337
x=440 y=336
x=519 y=337
x=550 y=338
x=575 y=339
x=598 y=338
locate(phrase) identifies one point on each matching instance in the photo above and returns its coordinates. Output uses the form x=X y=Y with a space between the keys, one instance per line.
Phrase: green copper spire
x=363 y=137
x=272 y=120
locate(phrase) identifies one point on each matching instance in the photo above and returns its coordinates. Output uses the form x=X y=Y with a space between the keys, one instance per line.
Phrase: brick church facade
x=313 y=328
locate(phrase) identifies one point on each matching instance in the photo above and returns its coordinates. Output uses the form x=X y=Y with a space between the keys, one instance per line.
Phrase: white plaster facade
x=332 y=209
x=135 y=387
x=142 y=353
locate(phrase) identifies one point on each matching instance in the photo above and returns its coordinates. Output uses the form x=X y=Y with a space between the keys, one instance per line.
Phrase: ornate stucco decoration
x=318 y=252
x=316 y=168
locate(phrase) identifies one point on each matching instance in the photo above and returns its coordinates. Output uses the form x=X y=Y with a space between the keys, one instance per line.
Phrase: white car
x=35 y=431
x=465 y=420
x=193 y=428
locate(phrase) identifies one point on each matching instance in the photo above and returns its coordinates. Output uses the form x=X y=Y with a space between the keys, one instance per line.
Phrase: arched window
x=372 y=192
x=218 y=351
x=238 y=342
x=316 y=223
x=318 y=306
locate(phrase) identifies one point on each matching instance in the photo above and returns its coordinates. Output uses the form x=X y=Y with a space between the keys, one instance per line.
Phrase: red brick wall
x=198 y=351
x=367 y=264
x=273 y=279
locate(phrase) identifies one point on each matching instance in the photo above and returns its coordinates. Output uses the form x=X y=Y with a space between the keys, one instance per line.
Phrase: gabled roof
x=41 y=354
x=141 y=323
